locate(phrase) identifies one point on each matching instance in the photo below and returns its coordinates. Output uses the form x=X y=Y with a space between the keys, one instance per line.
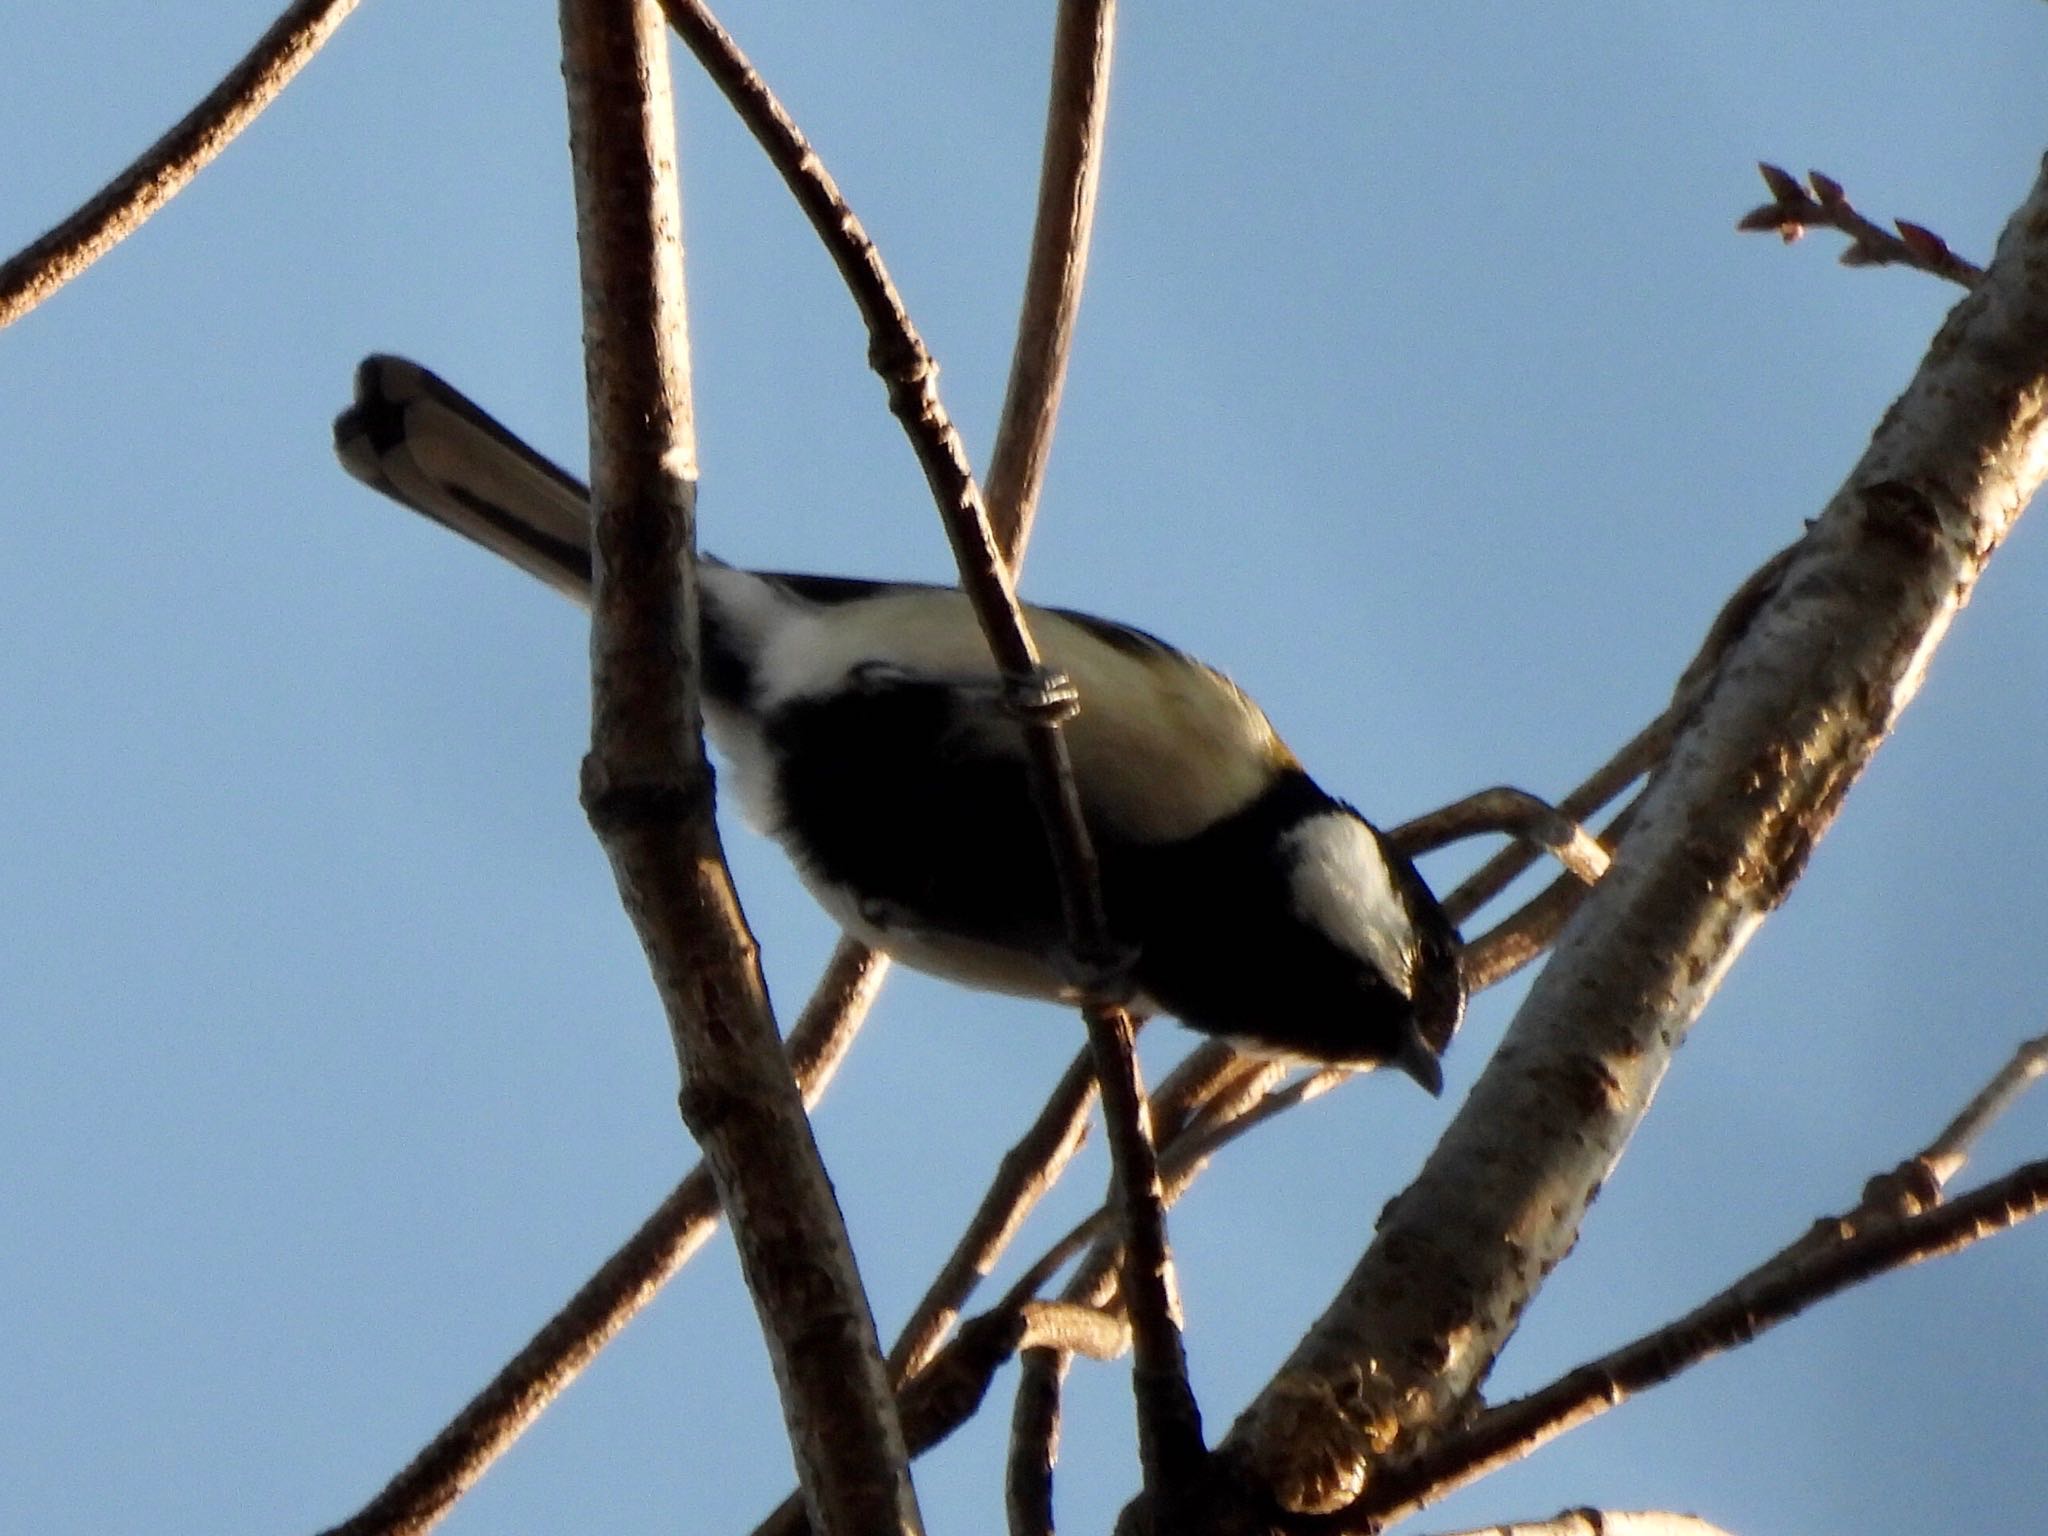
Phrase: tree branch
x=648 y=791
x=160 y=173
x=1781 y=730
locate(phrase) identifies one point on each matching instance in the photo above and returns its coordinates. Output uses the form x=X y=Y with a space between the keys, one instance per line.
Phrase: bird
x=863 y=728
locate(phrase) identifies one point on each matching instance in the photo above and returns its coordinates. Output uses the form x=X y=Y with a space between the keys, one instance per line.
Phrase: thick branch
x=647 y=787
x=1779 y=733
x=160 y=173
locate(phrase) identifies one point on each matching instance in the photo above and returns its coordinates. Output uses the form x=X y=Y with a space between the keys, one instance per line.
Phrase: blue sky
x=1423 y=385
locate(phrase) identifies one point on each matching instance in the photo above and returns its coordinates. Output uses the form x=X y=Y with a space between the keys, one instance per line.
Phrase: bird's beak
x=1416 y=1059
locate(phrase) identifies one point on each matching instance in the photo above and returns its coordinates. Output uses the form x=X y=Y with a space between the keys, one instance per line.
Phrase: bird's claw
x=1043 y=696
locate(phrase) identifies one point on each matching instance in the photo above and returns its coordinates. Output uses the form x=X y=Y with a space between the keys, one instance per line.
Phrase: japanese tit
x=861 y=729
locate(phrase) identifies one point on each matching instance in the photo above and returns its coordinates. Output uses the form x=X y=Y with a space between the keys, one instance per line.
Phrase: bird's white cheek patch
x=1342 y=885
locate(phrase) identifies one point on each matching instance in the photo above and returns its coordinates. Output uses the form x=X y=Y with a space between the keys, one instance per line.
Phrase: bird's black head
x=1307 y=935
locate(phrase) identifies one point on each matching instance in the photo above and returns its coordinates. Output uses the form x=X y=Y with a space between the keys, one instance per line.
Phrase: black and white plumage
x=860 y=724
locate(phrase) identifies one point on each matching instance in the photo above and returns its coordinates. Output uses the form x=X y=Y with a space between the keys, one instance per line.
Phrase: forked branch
x=1899 y=1221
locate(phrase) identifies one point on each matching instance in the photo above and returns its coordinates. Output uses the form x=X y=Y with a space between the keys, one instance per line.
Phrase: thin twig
x=1211 y=1068
x=1169 y=1430
x=1822 y=204
x=1946 y=1154
x=1521 y=937
x=1093 y=1284
x=954 y=1381
x=121 y=207
x=416 y=1499
x=647 y=789
x=1635 y=757
x=1514 y=811
x=1170 y=1445
x=1070 y=170
x=1075 y=1329
x=1639 y=755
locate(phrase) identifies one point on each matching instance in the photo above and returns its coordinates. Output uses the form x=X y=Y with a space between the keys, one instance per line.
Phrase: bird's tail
x=430 y=447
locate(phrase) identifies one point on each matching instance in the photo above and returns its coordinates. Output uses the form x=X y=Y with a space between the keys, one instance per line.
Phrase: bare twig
x=121 y=207
x=1526 y=933
x=948 y=1392
x=1510 y=810
x=647 y=789
x=1170 y=1444
x=1169 y=1428
x=1075 y=1329
x=1070 y=170
x=462 y=1452
x=1210 y=1069
x=1635 y=757
x=951 y=1386
x=1523 y=935
x=1821 y=204
x=1946 y=1154
x=1069 y=174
